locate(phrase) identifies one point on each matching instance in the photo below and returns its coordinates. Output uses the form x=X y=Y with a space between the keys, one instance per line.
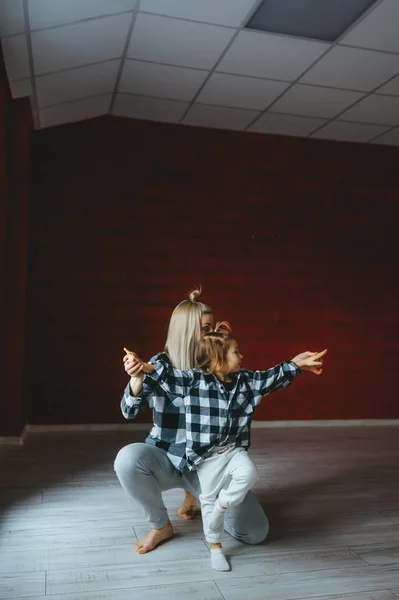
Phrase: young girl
x=219 y=398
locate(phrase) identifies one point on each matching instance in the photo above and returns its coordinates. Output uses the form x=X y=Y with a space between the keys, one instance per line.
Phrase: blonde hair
x=212 y=349
x=184 y=330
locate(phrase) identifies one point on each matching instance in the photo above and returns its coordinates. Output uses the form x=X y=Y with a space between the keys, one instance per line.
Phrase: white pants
x=212 y=474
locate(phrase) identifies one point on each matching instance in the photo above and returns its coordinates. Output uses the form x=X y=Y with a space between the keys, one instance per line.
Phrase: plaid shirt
x=169 y=430
x=216 y=416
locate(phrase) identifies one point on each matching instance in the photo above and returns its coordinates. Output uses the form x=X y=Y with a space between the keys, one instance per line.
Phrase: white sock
x=217 y=516
x=218 y=560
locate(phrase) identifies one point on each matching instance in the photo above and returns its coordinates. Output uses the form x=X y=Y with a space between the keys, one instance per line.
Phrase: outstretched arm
x=280 y=376
x=310 y=361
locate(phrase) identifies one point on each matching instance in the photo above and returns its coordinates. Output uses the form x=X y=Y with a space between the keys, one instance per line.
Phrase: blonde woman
x=145 y=470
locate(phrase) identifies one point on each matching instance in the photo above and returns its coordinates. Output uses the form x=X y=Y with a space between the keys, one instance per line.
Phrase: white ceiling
x=192 y=62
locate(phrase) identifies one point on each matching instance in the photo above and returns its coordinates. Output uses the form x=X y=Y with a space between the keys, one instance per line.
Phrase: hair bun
x=223 y=327
x=195 y=294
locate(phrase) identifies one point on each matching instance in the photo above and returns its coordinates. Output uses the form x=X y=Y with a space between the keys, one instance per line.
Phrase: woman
x=145 y=470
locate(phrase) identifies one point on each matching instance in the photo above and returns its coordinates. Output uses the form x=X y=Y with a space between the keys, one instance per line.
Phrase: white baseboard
x=78 y=428
x=113 y=427
x=14 y=440
x=329 y=423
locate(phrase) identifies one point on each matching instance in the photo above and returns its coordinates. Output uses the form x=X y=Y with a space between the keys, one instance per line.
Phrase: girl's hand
x=310 y=361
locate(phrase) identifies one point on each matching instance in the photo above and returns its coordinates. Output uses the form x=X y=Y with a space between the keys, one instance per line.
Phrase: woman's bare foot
x=186 y=511
x=153 y=538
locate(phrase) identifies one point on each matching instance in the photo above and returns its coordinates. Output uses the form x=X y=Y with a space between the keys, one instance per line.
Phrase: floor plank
x=186 y=591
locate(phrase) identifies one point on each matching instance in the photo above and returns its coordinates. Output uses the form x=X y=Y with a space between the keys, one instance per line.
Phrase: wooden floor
x=332 y=496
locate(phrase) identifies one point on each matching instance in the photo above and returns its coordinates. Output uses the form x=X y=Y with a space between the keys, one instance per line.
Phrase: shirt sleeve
x=272 y=380
x=175 y=382
x=132 y=406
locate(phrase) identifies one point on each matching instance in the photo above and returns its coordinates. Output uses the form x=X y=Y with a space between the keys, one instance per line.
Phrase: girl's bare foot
x=153 y=538
x=186 y=511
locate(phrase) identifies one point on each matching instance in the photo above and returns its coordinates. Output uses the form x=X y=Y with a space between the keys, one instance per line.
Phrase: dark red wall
x=293 y=240
x=15 y=132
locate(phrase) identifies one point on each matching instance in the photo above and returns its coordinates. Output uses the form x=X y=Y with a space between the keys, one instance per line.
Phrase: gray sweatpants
x=144 y=472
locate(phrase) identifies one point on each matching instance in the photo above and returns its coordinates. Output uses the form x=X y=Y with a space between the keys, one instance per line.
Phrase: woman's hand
x=310 y=361
x=136 y=368
x=134 y=361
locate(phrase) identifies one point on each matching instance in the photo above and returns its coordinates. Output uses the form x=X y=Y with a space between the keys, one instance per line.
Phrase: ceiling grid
x=196 y=63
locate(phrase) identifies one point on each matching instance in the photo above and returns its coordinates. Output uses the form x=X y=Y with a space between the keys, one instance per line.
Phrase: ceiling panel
x=379 y=30
x=77 y=83
x=76 y=45
x=11 y=17
x=241 y=92
x=391 y=138
x=223 y=12
x=162 y=81
x=75 y=111
x=16 y=57
x=176 y=42
x=353 y=69
x=21 y=88
x=308 y=100
x=49 y=13
x=286 y=124
x=219 y=117
x=390 y=88
x=154 y=109
x=349 y=132
x=271 y=56
x=381 y=110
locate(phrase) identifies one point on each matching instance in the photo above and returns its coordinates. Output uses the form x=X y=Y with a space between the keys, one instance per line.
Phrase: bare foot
x=186 y=511
x=153 y=538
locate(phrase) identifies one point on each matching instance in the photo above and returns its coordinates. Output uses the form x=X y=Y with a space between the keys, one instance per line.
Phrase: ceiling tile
x=391 y=138
x=75 y=111
x=390 y=88
x=21 y=88
x=153 y=109
x=286 y=124
x=240 y=92
x=353 y=69
x=77 y=45
x=162 y=81
x=267 y=55
x=49 y=13
x=176 y=42
x=11 y=17
x=381 y=110
x=77 y=83
x=379 y=30
x=311 y=101
x=15 y=52
x=219 y=117
x=223 y=12
x=349 y=132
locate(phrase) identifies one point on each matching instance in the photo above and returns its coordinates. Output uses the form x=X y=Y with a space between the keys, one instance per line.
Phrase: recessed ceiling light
x=323 y=20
